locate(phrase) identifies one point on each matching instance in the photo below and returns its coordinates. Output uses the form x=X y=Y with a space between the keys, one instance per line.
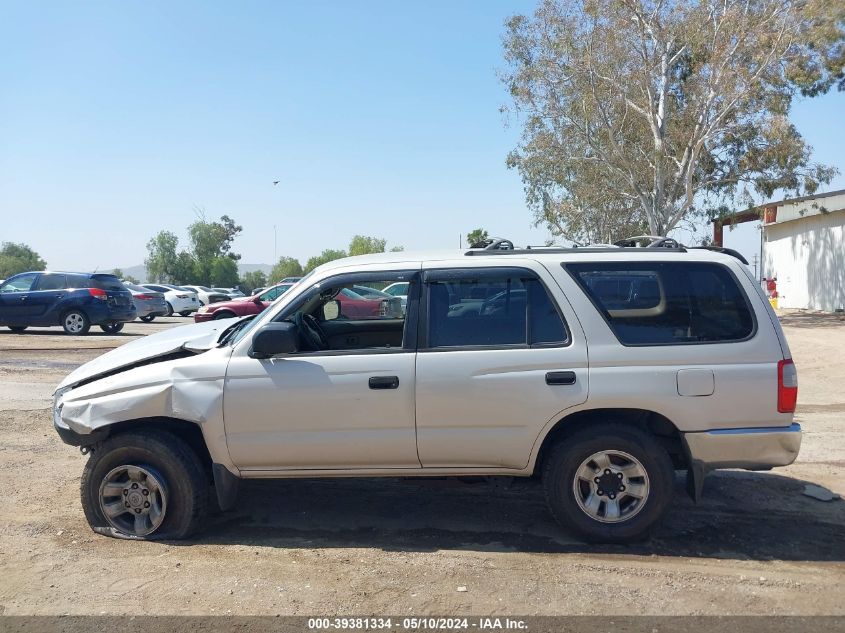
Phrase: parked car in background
x=148 y=303
x=290 y=280
x=232 y=293
x=398 y=289
x=260 y=289
x=207 y=296
x=75 y=301
x=177 y=299
x=241 y=307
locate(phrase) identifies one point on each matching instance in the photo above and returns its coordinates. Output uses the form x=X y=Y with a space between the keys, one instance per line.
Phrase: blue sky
x=380 y=118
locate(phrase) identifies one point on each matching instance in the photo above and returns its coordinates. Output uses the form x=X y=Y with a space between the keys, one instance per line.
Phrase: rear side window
x=667 y=303
x=52 y=282
x=492 y=311
x=107 y=282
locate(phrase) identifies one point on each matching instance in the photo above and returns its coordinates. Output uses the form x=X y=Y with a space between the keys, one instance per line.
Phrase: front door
x=15 y=307
x=501 y=360
x=344 y=401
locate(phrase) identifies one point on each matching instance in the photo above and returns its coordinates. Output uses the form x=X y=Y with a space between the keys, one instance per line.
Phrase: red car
x=352 y=305
x=240 y=307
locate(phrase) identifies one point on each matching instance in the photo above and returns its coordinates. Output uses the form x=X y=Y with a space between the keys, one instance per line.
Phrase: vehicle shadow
x=752 y=516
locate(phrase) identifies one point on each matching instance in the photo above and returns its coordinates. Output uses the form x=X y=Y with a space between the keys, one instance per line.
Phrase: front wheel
x=144 y=485
x=169 y=309
x=185 y=313
x=76 y=322
x=111 y=328
x=609 y=483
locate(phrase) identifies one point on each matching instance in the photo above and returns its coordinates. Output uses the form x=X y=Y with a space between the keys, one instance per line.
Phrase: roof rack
x=500 y=246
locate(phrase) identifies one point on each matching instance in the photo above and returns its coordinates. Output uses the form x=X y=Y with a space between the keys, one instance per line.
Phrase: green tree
x=476 y=238
x=363 y=245
x=651 y=110
x=210 y=240
x=327 y=255
x=252 y=280
x=161 y=258
x=117 y=272
x=224 y=272
x=285 y=267
x=184 y=270
x=18 y=258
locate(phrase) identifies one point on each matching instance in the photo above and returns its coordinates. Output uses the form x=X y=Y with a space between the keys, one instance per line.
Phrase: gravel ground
x=755 y=545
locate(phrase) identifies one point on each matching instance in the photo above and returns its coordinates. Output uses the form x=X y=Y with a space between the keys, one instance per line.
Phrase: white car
x=233 y=293
x=179 y=300
x=399 y=289
x=207 y=295
x=688 y=369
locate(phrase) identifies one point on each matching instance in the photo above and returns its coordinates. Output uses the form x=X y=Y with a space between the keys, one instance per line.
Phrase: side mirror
x=331 y=310
x=275 y=338
x=257 y=300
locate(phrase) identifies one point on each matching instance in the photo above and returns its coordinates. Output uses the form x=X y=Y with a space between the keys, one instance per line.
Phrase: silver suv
x=601 y=370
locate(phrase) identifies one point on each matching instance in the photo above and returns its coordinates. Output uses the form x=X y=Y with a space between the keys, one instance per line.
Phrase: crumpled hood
x=197 y=337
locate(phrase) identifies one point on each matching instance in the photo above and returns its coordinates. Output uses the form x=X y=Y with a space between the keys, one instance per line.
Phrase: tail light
x=145 y=297
x=787 y=386
x=98 y=293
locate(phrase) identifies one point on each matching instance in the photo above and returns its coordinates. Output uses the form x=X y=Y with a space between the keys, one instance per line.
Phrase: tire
x=148 y=318
x=224 y=314
x=162 y=463
x=76 y=323
x=111 y=328
x=169 y=309
x=17 y=329
x=573 y=499
x=185 y=313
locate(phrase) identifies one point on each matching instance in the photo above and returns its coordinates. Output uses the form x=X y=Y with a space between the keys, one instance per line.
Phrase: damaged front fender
x=187 y=388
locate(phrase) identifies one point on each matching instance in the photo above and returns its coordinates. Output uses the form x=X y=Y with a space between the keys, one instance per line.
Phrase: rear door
x=501 y=355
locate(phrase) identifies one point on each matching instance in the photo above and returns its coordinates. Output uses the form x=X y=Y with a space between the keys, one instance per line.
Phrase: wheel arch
x=652 y=422
x=187 y=431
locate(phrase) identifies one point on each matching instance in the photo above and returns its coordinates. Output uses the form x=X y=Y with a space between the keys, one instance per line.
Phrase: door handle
x=560 y=378
x=384 y=382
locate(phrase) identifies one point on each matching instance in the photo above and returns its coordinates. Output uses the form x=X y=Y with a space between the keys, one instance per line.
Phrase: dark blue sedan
x=75 y=301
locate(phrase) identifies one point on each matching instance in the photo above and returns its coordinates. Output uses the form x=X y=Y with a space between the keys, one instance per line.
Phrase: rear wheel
x=17 y=329
x=111 y=328
x=148 y=318
x=610 y=483
x=75 y=322
x=144 y=486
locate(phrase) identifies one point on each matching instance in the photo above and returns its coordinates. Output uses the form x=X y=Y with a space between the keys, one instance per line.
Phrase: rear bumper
x=99 y=314
x=751 y=449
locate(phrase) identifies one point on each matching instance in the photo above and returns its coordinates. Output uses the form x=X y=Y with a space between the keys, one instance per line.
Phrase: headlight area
x=203 y=310
x=57 y=407
x=67 y=434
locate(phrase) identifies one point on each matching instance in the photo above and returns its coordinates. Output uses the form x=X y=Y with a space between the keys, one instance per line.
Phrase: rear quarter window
x=667 y=303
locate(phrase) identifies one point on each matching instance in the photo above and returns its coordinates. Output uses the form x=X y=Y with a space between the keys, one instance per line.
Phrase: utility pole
x=756 y=259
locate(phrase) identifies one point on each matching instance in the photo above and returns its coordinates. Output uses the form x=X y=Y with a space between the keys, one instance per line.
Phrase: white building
x=803 y=249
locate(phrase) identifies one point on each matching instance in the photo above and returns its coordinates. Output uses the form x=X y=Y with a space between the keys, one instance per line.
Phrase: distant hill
x=140 y=272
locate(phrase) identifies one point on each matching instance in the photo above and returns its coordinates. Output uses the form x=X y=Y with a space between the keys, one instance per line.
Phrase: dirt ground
x=755 y=545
